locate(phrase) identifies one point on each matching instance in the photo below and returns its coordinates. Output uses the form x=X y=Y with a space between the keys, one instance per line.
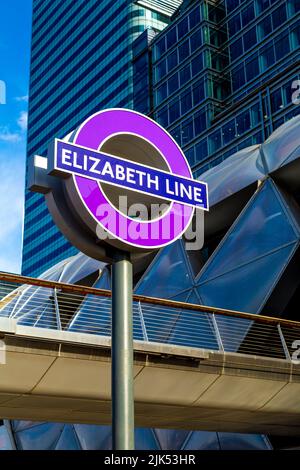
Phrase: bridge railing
x=76 y=308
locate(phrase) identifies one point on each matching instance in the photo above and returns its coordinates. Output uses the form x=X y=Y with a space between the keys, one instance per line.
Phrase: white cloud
x=7 y=136
x=23 y=120
x=22 y=98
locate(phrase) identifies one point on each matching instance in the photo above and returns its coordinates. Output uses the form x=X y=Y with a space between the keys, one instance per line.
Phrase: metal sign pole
x=122 y=354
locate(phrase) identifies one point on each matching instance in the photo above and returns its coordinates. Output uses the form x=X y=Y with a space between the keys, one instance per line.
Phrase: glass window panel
x=196 y=40
x=186 y=101
x=255 y=115
x=172 y=60
x=173 y=83
x=187 y=131
x=243 y=122
x=246 y=288
x=231 y=5
x=288 y=91
x=248 y=14
x=176 y=134
x=200 y=122
x=197 y=64
x=162 y=117
x=236 y=49
x=296 y=5
x=198 y=92
x=258 y=138
x=279 y=16
x=282 y=46
x=276 y=100
x=174 y=110
x=160 y=48
x=171 y=38
x=160 y=70
x=234 y=25
x=250 y=38
x=185 y=74
x=238 y=77
x=267 y=56
x=161 y=93
x=252 y=67
x=182 y=27
x=228 y=132
x=190 y=156
x=261 y=228
x=295 y=37
x=201 y=150
x=194 y=17
x=262 y=5
x=184 y=50
x=265 y=27
x=168 y=275
x=214 y=141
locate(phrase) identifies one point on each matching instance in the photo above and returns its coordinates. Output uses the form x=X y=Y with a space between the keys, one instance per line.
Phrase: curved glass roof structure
x=250 y=251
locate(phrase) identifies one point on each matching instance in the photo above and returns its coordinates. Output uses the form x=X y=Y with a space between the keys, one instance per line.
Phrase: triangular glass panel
x=43 y=316
x=68 y=439
x=41 y=437
x=202 y=440
x=5 y=443
x=48 y=318
x=145 y=439
x=193 y=328
x=234 y=441
x=20 y=425
x=281 y=144
x=183 y=296
x=159 y=321
x=248 y=287
x=104 y=281
x=79 y=267
x=171 y=440
x=262 y=227
x=168 y=274
x=92 y=437
x=94 y=316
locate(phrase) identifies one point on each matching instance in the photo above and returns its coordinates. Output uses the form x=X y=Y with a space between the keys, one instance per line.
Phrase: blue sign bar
x=74 y=159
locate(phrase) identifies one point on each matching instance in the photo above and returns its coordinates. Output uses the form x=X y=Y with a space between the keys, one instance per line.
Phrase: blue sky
x=15 y=32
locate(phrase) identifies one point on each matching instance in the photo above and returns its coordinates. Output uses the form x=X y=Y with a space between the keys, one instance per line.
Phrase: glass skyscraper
x=221 y=75
x=81 y=62
x=218 y=77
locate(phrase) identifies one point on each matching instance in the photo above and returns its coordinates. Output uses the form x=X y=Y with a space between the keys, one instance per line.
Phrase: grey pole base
x=122 y=354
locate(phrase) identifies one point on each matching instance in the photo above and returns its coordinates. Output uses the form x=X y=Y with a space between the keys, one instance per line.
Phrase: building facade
x=222 y=75
x=249 y=262
x=81 y=61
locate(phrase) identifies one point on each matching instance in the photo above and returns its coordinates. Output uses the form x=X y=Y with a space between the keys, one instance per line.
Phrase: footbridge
x=195 y=367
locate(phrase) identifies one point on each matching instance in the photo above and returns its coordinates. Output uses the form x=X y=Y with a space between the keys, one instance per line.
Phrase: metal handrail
x=84 y=290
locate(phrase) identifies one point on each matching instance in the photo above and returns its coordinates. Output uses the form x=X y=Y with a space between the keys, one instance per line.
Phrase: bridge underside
x=50 y=376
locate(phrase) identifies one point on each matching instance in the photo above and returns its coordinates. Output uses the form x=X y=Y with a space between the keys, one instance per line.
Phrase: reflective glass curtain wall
x=223 y=75
x=80 y=63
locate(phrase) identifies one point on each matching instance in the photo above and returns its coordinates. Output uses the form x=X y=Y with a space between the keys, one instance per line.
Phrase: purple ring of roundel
x=99 y=128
